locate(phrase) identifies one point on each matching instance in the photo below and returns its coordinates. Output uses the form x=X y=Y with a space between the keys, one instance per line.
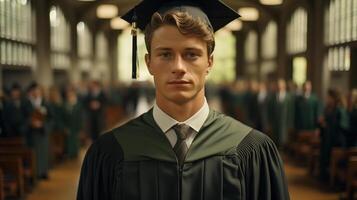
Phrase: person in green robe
x=56 y=125
x=181 y=149
x=334 y=128
x=38 y=133
x=307 y=110
x=2 y=123
x=283 y=115
x=352 y=133
x=15 y=114
x=73 y=122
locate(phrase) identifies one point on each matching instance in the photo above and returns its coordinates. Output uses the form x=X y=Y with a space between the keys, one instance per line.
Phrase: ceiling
x=86 y=10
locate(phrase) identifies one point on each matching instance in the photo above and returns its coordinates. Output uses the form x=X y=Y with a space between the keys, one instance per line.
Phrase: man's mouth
x=178 y=82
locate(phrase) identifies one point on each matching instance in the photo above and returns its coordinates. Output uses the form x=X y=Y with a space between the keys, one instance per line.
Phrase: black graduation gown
x=15 y=122
x=227 y=160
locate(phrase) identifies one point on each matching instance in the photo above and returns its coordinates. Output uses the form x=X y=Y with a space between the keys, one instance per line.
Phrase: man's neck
x=181 y=111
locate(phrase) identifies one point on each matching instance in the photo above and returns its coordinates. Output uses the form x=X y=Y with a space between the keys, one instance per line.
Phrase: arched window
x=339 y=59
x=60 y=39
x=85 y=47
x=269 y=42
x=17 y=33
x=297 y=32
x=269 y=48
x=340 y=29
x=101 y=61
x=251 y=50
x=224 y=57
x=354 y=21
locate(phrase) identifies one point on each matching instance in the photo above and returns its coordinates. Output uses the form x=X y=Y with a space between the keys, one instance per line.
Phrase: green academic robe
x=57 y=122
x=227 y=160
x=283 y=119
x=38 y=139
x=332 y=135
x=307 y=112
x=73 y=124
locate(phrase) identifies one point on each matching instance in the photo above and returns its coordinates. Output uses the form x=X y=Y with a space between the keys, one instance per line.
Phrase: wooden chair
x=305 y=148
x=57 y=147
x=339 y=164
x=13 y=176
x=351 y=184
x=313 y=162
x=338 y=156
x=2 y=193
x=28 y=161
x=12 y=141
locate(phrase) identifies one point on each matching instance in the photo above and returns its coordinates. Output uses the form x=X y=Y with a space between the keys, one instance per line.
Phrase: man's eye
x=191 y=55
x=165 y=55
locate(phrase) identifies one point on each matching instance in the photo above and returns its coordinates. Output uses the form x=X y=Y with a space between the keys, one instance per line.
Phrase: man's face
x=281 y=85
x=36 y=92
x=15 y=94
x=307 y=87
x=179 y=64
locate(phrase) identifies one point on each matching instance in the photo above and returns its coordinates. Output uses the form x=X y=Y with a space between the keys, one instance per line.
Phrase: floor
x=62 y=183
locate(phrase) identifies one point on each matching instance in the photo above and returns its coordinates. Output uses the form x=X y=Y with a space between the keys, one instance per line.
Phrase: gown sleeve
x=262 y=167
x=101 y=170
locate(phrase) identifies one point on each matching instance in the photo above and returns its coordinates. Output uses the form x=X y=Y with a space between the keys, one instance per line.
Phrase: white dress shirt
x=281 y=96
x=165 y=122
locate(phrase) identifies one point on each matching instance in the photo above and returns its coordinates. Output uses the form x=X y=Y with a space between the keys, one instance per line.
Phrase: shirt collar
x=196 y=121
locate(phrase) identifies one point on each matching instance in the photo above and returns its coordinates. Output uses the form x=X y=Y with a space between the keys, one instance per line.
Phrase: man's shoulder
x=248 y=140
x=106 y=142
x=256 y=142
x=252 y=135
x=105 y=148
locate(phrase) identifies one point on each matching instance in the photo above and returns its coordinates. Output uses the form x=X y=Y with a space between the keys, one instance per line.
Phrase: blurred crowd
x=55 y=122
x=285 y=111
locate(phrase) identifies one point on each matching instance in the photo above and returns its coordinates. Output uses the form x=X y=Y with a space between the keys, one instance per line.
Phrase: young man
x=181 y=149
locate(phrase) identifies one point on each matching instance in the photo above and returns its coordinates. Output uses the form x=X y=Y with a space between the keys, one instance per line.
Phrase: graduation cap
x=213 y=12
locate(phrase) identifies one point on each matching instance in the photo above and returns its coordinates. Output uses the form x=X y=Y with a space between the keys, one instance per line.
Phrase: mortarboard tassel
x=134 y=60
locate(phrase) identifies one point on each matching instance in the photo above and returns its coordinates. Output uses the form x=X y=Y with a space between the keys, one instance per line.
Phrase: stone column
x=74 y=71
x=315 y=47
x=240 y=38
x=281 y=70
x=43 y=71
x=113 y=55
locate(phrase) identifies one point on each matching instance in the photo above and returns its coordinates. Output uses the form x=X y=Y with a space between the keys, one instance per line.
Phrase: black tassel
x=134 y=47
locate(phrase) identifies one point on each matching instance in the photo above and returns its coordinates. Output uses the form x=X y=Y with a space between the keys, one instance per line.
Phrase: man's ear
x=147 y=61
x=210 y=63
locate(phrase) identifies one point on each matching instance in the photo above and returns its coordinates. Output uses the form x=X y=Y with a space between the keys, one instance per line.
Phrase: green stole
x=142 y=139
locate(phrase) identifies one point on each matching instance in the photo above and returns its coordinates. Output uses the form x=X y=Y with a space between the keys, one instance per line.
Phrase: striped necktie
x=182 y=131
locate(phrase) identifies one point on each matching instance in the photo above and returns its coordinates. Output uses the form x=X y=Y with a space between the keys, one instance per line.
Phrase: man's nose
x=178 y=65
